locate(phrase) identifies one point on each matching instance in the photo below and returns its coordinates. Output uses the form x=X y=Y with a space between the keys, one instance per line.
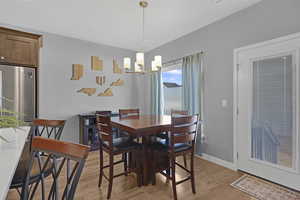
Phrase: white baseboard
x=218 y=161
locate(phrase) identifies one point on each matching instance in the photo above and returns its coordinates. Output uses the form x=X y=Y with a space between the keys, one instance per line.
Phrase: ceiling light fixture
x=139 y=64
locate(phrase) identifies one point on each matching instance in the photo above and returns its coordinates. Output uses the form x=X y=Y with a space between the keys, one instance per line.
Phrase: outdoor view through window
x=172 y=84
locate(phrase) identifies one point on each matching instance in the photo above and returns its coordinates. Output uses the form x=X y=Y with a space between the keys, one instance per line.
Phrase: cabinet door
x=20 y=50
x=2 y=47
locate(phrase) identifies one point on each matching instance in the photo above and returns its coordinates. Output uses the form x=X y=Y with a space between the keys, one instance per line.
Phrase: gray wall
x=264 y=21
x=58 y=98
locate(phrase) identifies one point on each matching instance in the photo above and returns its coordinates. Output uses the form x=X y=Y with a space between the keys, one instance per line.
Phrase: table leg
x=145 y=161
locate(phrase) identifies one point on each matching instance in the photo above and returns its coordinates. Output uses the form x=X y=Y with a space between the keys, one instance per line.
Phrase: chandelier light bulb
x=154 y=66
x=140 y=59
x=158 y=61
x=139 y=64
x=127 y=63
x=137 y=68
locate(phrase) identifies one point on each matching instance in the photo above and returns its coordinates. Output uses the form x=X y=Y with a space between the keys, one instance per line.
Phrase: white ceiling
x=118 y=22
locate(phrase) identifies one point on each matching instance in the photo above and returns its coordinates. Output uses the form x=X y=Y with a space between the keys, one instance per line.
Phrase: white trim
x=218 y=161
x=235 y=83
x=1 y=97
x=235 y=106
x=268 y=42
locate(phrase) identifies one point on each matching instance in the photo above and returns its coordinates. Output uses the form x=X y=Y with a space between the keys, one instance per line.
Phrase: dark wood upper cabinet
x=19 y=48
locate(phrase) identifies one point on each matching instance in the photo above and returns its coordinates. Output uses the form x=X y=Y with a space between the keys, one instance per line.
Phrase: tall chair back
x=129 y=112
x=105 y=129
x=57 y=153
x=184 y=130
x=48 y=128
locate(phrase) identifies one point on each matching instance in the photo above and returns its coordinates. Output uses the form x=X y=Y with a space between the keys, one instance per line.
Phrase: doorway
x=266 y=117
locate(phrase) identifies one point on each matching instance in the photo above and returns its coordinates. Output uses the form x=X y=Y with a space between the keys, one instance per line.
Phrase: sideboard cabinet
x=88 y=133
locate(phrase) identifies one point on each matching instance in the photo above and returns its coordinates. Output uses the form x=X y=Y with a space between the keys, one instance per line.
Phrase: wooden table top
x=149 y=124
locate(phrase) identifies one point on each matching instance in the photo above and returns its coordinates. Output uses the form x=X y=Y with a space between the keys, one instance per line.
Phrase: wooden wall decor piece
x=88 y=91
x=107 y=93
x=100 y=80
x=77 y=72
x=116 y=67
x=119 y=82
x=97 y=64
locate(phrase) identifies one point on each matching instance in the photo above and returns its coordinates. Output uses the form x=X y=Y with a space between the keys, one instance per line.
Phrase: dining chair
x=183 y=134
x=56 y=155
x=116 y=132
x=39 y=127
x=165 y=136
x=113 y=147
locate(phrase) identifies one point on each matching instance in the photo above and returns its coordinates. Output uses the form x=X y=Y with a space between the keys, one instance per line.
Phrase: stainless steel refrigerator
x=18 y=90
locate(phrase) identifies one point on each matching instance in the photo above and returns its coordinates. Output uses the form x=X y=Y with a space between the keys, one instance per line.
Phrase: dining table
x=143 y=126
x=12 y=141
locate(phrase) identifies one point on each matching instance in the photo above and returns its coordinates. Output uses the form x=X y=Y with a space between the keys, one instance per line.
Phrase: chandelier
x=139 y=64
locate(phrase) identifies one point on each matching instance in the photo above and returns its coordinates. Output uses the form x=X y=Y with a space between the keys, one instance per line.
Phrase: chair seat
x=163 y=146
x=122 y=144
x=23 y=165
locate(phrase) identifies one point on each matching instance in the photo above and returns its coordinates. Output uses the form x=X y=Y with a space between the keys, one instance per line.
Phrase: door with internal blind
x=267 y=105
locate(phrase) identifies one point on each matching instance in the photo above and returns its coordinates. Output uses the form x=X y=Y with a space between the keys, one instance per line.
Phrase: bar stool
x=56 y=154
x=39 y=127
x=183 y=134
x=113 y=147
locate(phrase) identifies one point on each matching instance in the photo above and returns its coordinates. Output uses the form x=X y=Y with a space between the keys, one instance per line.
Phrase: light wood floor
x=212 y=183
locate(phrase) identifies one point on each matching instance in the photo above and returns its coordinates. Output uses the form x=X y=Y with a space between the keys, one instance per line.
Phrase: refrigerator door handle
x=1 y=93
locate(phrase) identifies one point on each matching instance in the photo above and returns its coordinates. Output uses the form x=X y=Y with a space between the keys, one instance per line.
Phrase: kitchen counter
x=10 y=153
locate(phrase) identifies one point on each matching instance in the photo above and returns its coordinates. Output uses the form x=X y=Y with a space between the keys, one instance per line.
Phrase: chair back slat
x=184 y=129
x=105 y=136
x=56 y=154
x=128 y=112
x=47 y=122
x=104 y=128
x=179 y=112
x=177 y=121
x=184 y=138
x=105 y=112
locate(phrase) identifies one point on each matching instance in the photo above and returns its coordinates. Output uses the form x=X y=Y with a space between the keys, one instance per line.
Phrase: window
x=172 y=86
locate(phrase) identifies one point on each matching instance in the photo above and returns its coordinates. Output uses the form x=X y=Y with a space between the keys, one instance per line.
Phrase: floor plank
x=212 y=183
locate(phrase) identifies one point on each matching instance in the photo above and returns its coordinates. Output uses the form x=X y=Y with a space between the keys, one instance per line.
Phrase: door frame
x=235 y=85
